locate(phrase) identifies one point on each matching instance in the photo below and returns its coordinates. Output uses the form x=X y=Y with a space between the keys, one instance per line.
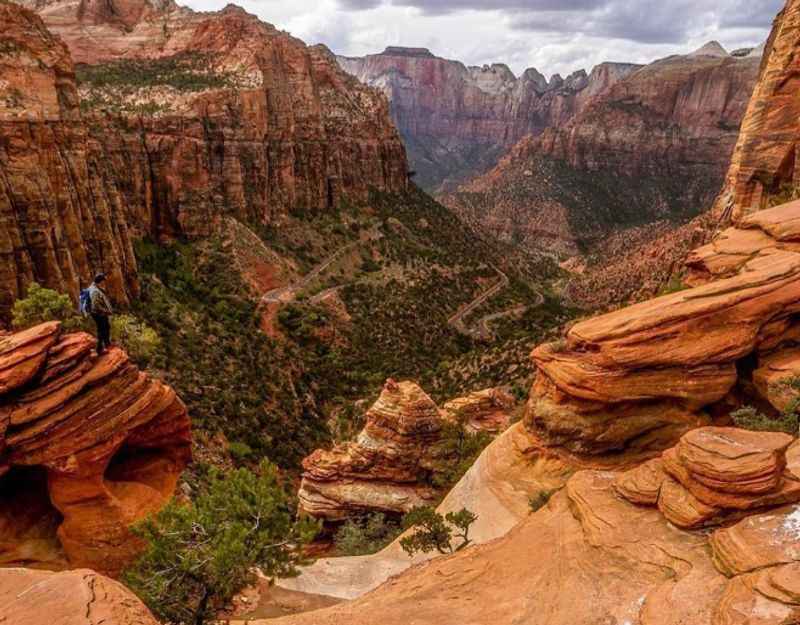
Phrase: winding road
x=287 y=294
x=481 y=330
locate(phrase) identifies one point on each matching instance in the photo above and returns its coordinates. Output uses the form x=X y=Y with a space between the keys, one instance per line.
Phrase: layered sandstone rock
x=592 y=557
x=763 y=168
x=654 y=146
x=637 y=378
x=457 y=120
x=79 y=597
x=716 y=474
x=88 y=446
x=488 y=410
x=187 y=118
x=389 y=466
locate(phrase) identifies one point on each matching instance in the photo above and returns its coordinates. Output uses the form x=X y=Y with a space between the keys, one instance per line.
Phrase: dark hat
x=99 y=278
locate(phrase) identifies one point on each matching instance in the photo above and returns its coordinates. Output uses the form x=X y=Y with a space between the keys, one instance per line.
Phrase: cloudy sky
x=551 y=35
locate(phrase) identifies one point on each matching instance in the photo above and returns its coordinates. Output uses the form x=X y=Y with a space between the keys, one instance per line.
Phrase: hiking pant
x=103 y=332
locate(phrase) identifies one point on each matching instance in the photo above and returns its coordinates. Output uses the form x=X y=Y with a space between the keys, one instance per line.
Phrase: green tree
x=199 y=555
x=436 y=532
x=142 y=342
x=358 y=537
x=41 y=305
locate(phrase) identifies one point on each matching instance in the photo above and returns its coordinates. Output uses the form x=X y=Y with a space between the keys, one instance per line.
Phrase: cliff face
x=178 y=119
x=60 y=219
x=654 y=146
x=457 y=120
x=763 y=170
x=88 y=446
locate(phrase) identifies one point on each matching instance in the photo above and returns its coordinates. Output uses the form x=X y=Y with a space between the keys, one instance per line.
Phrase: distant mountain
x=457 y=121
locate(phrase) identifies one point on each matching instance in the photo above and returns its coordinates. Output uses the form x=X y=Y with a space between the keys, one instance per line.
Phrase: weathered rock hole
x=140 y=477
x=29 y=521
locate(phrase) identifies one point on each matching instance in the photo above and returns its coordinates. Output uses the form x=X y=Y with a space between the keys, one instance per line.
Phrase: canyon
x=626 y=490
x=258 y=124
x=457 y=121
x=665 y=513
x=652 y=147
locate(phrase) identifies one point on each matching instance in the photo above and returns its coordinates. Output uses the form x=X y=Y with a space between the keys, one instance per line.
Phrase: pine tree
x=200 y=555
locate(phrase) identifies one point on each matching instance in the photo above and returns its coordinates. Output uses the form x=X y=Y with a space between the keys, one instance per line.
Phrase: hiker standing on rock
x=95 y=302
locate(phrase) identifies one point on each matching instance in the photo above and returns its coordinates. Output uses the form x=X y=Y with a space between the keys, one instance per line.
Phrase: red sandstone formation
x=717 y=474
x=232 y=118
x=457 y=120
x=385 y=469
x=763 y=170
x=79 y=597
x=60 y=221
x=654 y=146
x=637 y=378
x=88 y=445
x=488 y=410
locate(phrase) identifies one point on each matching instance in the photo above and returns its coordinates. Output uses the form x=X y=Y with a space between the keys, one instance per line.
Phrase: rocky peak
x=418 y=53
x=577 y=80
x=555 y=82
x=712 y=48
x=536 y=78
x=492 y=79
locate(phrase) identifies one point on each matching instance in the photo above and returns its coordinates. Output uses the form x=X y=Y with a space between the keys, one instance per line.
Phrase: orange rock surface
x=385 y=468
x=764 y=161
x=592 y=557
x=79 y=597
x=488 y=410
x=88 y=445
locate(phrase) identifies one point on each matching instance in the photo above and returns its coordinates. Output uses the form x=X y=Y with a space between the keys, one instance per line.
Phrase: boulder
x=78 y=597
x=88 y=446
x=716 y=474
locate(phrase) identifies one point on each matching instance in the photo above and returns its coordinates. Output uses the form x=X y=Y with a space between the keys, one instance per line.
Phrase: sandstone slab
x=78 y=597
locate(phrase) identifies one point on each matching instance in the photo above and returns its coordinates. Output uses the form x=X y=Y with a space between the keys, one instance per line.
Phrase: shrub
x=41 y=305
x=199 y=555
x=459 y=449
x=436 y=532
x=749 y=418
x=142 y=342
x=359 y=537
x=240 y=451
x=540 y=499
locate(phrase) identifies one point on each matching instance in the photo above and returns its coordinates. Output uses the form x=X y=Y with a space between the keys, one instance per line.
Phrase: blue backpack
x=85 y=303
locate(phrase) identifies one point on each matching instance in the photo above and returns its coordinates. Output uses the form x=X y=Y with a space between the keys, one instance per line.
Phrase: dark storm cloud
x=642 y=21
